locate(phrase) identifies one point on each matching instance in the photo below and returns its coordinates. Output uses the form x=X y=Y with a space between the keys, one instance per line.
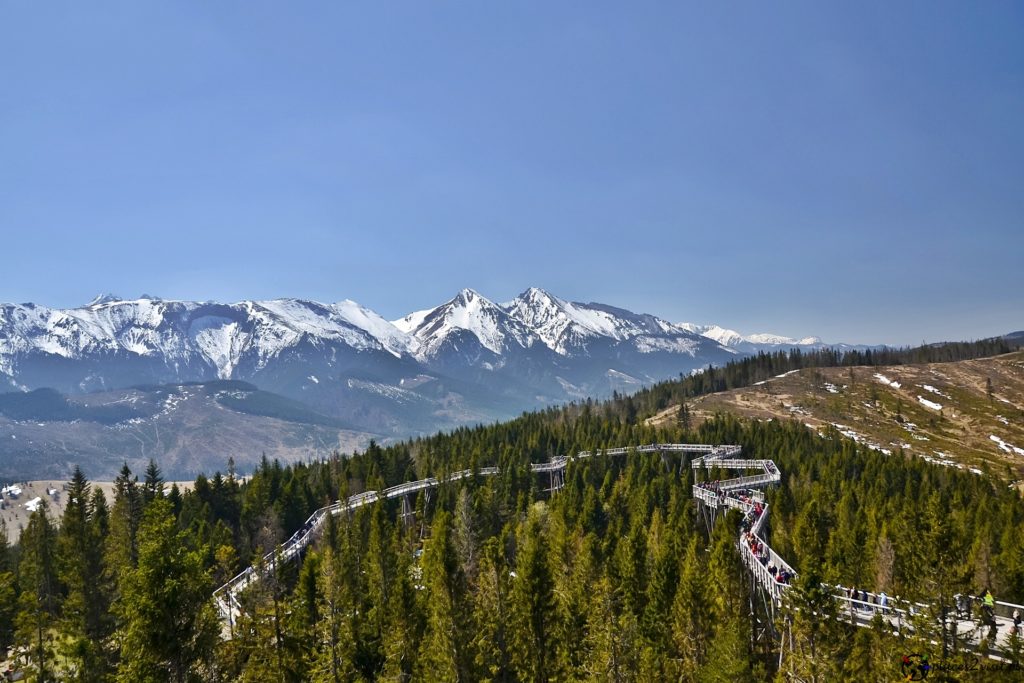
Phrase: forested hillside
x=611 y=578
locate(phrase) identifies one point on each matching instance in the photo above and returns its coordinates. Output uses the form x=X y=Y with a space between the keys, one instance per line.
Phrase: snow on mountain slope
x=537 y=341
x=566 y=327
x=779 y=340
x=177 y=332
x=409 y=323
x=723 y=336
x=495 y=329
x=733 y=339
x=219 y=342
x=283 y=322
x=107 y=326
x=395 y=340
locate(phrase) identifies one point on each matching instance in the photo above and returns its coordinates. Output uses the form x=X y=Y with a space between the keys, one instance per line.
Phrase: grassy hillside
x=942 y=412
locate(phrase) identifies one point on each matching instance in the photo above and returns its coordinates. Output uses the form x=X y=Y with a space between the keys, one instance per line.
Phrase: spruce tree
x=153 y=487
x=443 y=652
x=169 y=626
x=86 y=624
x=691 y=624
x=814 y=630
x=334 y=648
x=8 y=594
x=404 y=620
x=490 y=616
x=38 y=605
x=125 y=517
x=533 y=613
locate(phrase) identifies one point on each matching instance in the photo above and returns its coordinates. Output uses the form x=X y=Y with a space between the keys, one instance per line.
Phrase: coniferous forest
x=612 y=578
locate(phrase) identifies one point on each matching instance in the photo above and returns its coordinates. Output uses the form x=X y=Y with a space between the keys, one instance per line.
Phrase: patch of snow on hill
x=1008 y=447
x=386 y=390
x=621 y=376
x=888 y=382
x=671 y=344
x=929 y=387
x=930 y=404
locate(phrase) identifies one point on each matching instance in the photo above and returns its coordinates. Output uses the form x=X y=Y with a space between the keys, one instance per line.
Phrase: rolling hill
x=941 y=412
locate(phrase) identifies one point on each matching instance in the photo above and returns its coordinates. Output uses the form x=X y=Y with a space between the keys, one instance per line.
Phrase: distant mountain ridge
x=115 y=342
x=467 y=360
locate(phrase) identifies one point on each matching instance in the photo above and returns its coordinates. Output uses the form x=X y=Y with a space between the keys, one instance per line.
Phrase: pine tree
x=380 y=569
x=691 y=616
x=729 y=656
x=632 y=569
x=333 y=653
x=86 y=622
x=816 y=633
x=8 y=596
x=947 y=575
x=443 y=653
x=533 y=613
x=404 y=623
x=871 y=656
x=614 y=640
x=683 y=416
x=169 y=624
x=38 y=604
x=490 y=616
x=261 y=625
x=153 y=487
x=125 y=517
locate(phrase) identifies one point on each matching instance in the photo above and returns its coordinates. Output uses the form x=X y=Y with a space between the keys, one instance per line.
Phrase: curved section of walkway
x=772 y=573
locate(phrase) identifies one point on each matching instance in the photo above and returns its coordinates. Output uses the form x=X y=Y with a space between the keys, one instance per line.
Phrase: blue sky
x=856 y=173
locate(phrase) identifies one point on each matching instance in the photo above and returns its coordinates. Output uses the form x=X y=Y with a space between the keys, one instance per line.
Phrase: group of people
x=756 y=545
x=713 y=486
x=782 y=575
x=753 y=514
x=869 y=601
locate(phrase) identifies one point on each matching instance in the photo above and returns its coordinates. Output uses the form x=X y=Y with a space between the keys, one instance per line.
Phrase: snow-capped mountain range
x=466 y=360
x=752 y=342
